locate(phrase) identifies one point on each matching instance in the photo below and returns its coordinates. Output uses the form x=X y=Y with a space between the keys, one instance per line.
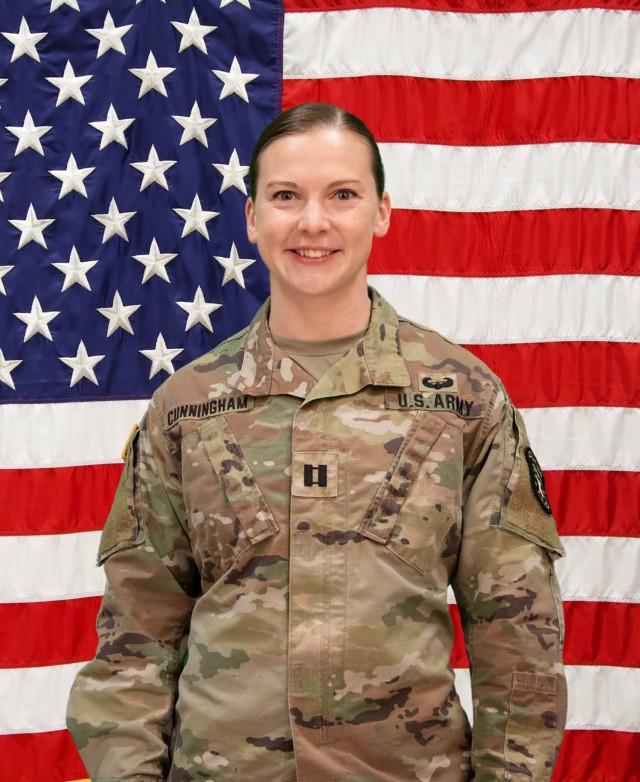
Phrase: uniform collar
x=376 y=360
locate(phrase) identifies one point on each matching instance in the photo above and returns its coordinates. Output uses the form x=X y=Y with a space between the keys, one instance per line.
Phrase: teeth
x=314 y=253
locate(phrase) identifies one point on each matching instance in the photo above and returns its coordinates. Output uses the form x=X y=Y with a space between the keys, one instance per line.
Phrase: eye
x=345 y=195
x=283 y=195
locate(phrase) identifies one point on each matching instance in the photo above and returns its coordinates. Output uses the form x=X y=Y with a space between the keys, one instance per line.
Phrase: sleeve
x=511 y=608
x=120 y=711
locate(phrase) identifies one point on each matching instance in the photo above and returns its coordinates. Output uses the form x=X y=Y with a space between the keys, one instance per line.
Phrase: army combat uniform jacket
x=278 y=557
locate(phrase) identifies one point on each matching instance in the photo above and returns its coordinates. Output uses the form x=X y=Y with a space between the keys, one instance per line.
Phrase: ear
x=383 y=218
x=250 y=215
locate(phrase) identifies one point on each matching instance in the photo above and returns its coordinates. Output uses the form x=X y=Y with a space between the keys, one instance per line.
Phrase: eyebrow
x=337 y=183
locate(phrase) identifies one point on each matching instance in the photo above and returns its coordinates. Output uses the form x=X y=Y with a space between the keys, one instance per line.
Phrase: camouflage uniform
x=278 y=557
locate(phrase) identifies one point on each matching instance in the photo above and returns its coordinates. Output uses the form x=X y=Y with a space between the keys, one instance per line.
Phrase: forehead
x=323 y=150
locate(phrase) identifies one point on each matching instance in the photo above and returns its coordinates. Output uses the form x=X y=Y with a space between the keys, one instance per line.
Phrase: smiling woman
x=314 y=211
x=294 y=508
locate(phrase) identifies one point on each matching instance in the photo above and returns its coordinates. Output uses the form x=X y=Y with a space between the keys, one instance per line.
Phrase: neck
x=319 y=318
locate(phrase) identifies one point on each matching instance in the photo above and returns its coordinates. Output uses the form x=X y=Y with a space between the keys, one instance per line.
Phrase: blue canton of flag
x=127 y=128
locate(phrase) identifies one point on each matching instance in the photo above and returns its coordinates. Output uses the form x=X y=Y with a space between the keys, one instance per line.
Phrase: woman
x=290 y=517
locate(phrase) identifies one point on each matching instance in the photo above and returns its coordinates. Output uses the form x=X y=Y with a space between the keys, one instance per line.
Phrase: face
x=315 y=214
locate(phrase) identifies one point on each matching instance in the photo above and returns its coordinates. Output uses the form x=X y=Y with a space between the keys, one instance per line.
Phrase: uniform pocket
x=531 y=736
x=412 y=512
x=237 y=481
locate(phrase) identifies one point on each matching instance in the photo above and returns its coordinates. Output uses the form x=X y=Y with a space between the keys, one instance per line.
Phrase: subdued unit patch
x=537 y=480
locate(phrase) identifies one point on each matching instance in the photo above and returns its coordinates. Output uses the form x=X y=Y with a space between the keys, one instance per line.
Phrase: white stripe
x=66 y=434
x=501 y=310
x=34 y=700
x=437 y=45
x=63 y=567
x=585 y=438
x=49 y=567
x=564 y=438
x=600 y=697
x=600 y=569
x=524 y=176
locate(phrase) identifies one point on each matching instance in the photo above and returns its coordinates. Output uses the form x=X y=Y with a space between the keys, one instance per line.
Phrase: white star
x=37 y=321
x=112 y=128
x=69 y=84
x=245 y=3
x=7 y=366
x=4 y=270
x=82 y=364
x=232 y=173
x=154 y=262
x=31 y=229
x=196 y=218
x=110 y=36
x=161 y=357
x=72 y=178
x=199 y=310
x=233 y=266
x=58 y=3
x=193 y=32
x=28 y=135
x=4 y=175
x=75 y=271
x=118 y=315
x=152 y=76
x=234 y=81
x=114 y=222
x=24 y=41
x=153 y=170
x=194 y=125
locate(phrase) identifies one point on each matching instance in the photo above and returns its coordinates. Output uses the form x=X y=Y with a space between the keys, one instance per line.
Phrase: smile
x=314 y=253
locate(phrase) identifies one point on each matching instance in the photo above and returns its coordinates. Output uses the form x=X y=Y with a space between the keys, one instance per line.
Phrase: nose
x=313 y=217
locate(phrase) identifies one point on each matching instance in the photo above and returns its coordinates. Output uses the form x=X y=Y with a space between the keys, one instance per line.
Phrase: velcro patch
x=209 y=408
x=437 y=381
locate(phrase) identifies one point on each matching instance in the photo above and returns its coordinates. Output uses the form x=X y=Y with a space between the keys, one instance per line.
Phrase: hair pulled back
x=307 y=117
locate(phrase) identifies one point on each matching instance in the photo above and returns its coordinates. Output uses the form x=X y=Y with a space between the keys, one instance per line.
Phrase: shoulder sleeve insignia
x=132 y=434
x=537 y=480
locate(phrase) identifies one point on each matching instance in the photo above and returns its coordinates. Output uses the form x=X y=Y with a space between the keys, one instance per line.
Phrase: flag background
x=510 y=133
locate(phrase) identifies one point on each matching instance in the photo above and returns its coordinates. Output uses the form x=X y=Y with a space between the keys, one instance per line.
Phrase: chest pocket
x=413 y=510
x=238 y=483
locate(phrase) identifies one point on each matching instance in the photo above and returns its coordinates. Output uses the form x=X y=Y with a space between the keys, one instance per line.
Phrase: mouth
x=312 y=255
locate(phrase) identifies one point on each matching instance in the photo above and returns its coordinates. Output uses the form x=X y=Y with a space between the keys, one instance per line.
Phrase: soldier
x=292 y=512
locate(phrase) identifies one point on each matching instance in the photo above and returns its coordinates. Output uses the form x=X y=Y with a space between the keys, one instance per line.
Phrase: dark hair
x=309 y=116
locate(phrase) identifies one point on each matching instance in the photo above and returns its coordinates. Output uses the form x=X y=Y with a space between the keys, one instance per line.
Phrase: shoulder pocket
x=238 y=482
x=123 y=528
x=525 y=507
x=410 y=535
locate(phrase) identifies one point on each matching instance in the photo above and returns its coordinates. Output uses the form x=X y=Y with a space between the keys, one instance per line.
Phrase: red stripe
x=595 y=634
x=602 y=634
x=461 y=6
x=58 y=500
x=567 y=374
x=38 y=634
x=509 y=244
x=586 y=756
x=51 y=633
x=598 y=756
x=585 y=502
x=593 y=502
x=55 y=633
x=483 y=113
x=40 y=757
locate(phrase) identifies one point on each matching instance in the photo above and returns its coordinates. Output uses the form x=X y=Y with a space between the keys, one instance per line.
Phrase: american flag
x=510 y=131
